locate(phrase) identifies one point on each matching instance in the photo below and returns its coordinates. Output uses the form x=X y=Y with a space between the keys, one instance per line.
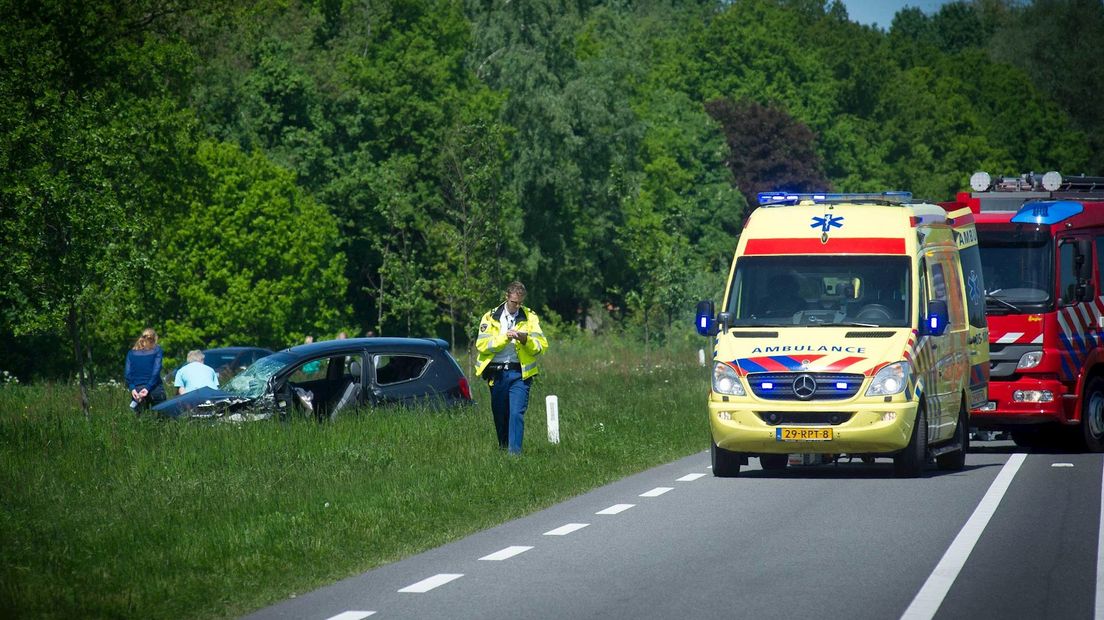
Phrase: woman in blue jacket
x=143 y=371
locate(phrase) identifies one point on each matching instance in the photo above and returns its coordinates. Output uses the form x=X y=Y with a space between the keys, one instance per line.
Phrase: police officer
x=509 y=342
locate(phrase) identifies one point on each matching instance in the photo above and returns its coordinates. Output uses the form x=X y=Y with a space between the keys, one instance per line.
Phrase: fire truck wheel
x=726 y=463
x=774 y=462
x=955 y=461
x=1092 y=416
x=909 y=463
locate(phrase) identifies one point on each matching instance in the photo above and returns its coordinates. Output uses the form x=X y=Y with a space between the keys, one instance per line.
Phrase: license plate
x=793 y=433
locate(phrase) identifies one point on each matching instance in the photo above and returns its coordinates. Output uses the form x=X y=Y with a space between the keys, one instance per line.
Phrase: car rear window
x=396 y=368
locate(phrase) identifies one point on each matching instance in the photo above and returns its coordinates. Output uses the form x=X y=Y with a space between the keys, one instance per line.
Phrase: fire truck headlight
x=890 y=380
x=1030 y=359
x=726 y=381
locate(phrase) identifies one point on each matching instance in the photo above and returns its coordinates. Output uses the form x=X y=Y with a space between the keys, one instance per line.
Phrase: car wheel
x=956 y=461
x=1092 y=416
x=909 y=463
x=774 y=462
x=726 y=463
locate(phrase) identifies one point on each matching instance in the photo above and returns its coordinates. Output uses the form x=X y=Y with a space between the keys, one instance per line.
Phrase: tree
x=84 y=124
x=768 y=149
x=481 y=221
x=253 y=260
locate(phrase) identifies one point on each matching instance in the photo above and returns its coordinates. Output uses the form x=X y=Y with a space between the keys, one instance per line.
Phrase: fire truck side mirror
x=1084 y=259
x=1085 y=289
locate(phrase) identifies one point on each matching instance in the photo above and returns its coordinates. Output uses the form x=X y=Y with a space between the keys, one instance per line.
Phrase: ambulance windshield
x=1018 y=268
x=870 y=291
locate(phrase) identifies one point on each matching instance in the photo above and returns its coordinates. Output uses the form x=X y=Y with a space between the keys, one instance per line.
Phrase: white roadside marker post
x=701 y=358
x=552 y=408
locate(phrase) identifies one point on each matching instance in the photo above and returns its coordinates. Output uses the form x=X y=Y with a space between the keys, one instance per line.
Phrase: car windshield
x=775 y=291
x=1018 y=268
x=252 y=381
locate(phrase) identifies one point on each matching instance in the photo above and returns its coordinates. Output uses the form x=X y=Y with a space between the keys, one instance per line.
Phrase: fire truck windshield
x=820 y=291
x=1018 y=268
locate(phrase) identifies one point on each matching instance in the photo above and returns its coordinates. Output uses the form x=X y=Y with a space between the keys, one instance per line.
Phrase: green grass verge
x=117 y=517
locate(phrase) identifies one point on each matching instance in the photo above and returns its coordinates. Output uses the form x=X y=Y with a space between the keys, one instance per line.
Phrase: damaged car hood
x=202 y=403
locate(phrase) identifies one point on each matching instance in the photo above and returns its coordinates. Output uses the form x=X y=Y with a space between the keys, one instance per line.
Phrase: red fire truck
x=1042 y=254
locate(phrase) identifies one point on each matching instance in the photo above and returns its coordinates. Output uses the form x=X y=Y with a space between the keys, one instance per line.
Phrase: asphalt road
x=1015 y=535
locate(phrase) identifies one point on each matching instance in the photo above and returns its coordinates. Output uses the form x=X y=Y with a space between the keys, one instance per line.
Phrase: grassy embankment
x=125 y=517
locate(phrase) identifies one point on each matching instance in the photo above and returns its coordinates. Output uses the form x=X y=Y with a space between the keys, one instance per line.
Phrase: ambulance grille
x=868 y=335
x=805 y=418
x=824 y=385
x=738 y=334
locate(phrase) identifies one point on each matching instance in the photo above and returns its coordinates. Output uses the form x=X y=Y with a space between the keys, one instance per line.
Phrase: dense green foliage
x=249 y=173
x=119 y=517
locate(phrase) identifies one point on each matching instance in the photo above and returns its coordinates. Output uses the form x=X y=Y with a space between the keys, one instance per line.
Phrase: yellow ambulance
x=852 y=324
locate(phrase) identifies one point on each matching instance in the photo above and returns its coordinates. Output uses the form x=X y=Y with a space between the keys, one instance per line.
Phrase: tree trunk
x=74 y=331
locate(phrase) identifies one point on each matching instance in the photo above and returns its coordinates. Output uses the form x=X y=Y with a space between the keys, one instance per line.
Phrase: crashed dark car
x=322 y=379
x=228 y=361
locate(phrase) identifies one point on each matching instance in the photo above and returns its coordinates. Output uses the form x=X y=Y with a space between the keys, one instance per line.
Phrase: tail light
x=465 y=389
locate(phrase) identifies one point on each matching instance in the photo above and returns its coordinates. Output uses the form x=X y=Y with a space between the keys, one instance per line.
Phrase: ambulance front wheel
x=909 y=463
x=726 y=463
x=1092 y=416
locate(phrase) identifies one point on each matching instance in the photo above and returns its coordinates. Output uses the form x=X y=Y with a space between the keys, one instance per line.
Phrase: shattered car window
x=251 y=382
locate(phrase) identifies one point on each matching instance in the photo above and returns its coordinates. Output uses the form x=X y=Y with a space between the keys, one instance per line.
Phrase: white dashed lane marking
x=564 y=530
x=931 y=595
x=426 y=585
x=1061 y=464
x=351 y=615
x=614 y=509
x=689 y=477
x=656 y=492
x=506 y=553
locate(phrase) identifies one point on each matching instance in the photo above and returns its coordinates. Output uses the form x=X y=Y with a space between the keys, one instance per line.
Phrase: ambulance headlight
x=890 y=380
x=1030 y=359
x=726 y=381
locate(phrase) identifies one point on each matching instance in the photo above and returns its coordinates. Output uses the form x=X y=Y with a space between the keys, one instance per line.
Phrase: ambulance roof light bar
x=1049 y=182
x=779 y=199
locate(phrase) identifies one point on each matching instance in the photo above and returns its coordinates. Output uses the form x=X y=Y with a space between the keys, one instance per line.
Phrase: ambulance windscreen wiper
x=991 y=296
x=848 y=324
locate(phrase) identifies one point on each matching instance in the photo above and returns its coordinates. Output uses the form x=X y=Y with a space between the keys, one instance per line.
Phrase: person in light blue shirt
x=195 y=374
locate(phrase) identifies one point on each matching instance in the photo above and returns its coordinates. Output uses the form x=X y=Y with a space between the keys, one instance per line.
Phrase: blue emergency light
x=773 y=199
x=1047 y=211
x=704 y=324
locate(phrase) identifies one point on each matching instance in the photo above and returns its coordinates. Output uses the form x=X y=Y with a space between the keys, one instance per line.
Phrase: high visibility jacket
x=492 y=340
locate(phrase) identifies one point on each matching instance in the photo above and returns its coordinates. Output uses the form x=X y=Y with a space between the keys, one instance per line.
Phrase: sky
x=881 y=12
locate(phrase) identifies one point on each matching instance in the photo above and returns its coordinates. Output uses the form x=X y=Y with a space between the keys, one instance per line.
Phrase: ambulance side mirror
x=703 y=318
x=935 y=322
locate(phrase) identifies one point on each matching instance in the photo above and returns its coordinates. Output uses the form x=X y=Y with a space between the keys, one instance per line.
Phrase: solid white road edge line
x=931 y=595
x=689 y=477
x=1099 y=610
x=352 y=615
x=564 y=530
x=656 y=492
x=506 y=553
x=426 y=585
x=614 y=509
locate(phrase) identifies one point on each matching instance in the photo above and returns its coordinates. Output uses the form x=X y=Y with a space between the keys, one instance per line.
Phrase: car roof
x=371 y=344
x=235 y=350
